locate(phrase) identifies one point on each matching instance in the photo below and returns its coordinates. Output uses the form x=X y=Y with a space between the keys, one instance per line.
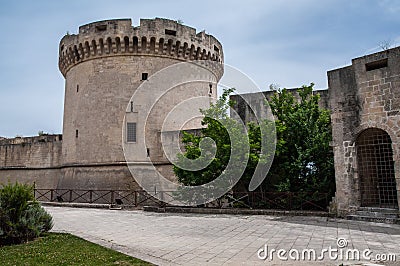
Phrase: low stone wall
x=31 y=160
x=235 y=211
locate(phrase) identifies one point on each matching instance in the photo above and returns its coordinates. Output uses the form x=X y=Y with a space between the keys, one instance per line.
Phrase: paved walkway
x=199 y=239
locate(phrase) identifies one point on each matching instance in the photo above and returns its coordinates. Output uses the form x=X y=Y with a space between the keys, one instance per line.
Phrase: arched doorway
x=376 y=169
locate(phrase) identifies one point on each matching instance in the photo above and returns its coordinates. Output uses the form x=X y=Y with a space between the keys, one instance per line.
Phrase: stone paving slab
x=205 y=239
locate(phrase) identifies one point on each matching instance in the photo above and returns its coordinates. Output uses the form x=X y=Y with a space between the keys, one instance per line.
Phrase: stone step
x=377 y=214
x=378 y=209
x=387 y=220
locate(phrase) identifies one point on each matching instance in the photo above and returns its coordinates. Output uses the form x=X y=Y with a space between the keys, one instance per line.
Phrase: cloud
x=390 y=6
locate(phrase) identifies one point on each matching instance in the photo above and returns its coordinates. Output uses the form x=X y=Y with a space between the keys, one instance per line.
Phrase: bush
x=21 y=216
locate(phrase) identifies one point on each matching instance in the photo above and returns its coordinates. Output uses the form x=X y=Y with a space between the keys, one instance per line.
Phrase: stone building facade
x=104 y=65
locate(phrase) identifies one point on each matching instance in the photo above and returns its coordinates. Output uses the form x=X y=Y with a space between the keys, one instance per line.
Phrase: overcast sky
x=289 y=43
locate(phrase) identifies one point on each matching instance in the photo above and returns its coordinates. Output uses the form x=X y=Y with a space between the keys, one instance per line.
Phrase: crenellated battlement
x=154 y=37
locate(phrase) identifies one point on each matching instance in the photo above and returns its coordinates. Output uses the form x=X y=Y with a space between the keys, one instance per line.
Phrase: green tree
x=304 y=160
x=194 y=150
x=223 y=143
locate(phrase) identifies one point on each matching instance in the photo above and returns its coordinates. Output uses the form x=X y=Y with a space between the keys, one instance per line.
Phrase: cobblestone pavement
x=200 y=239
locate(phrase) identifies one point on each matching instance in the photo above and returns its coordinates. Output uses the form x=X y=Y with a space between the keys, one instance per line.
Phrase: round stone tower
x=103 y=66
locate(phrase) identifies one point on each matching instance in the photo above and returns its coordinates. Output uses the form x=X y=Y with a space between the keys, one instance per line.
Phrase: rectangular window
x=76 y=133
x=170 y=32
x=145 y=76
x=100 y=28
x=376 y=64
x=131 y=132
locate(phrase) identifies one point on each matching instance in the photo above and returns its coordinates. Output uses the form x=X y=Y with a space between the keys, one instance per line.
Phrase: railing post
x=112 y=197
x=303 y=200
x=162 y=198
x=51 y=194
x=326 y=201
x=34 y=190
x=136 y=198
x=90 y=196
x=70 y=195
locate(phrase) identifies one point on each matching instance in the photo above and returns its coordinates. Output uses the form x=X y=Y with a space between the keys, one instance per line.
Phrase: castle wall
x=29 y=160
x=95 y=177
x=243 y=102
x=363 y=95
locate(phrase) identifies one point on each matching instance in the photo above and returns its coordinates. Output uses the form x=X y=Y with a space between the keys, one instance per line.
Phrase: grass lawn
x=63 y=249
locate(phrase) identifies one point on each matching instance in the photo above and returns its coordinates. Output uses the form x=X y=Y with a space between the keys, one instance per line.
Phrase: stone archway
x=376 y=169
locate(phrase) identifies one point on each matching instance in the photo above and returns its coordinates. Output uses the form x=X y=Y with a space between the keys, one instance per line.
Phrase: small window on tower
x=145 y=76
x=77 y=88
x=170 y=32
x=131 y=132
x=76 y=133
x=101 y=28
x=210 y=91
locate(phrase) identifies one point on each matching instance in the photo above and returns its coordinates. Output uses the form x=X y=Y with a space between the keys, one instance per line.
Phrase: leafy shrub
x=21 y=216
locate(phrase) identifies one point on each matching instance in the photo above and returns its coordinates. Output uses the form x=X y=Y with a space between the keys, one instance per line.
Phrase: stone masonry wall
x=363 y=95
x=257 y=100
x=29 y=160
x=103 y=66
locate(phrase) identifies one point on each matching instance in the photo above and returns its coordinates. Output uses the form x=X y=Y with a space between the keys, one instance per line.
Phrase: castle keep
x=103 y=66
x=108 y=61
